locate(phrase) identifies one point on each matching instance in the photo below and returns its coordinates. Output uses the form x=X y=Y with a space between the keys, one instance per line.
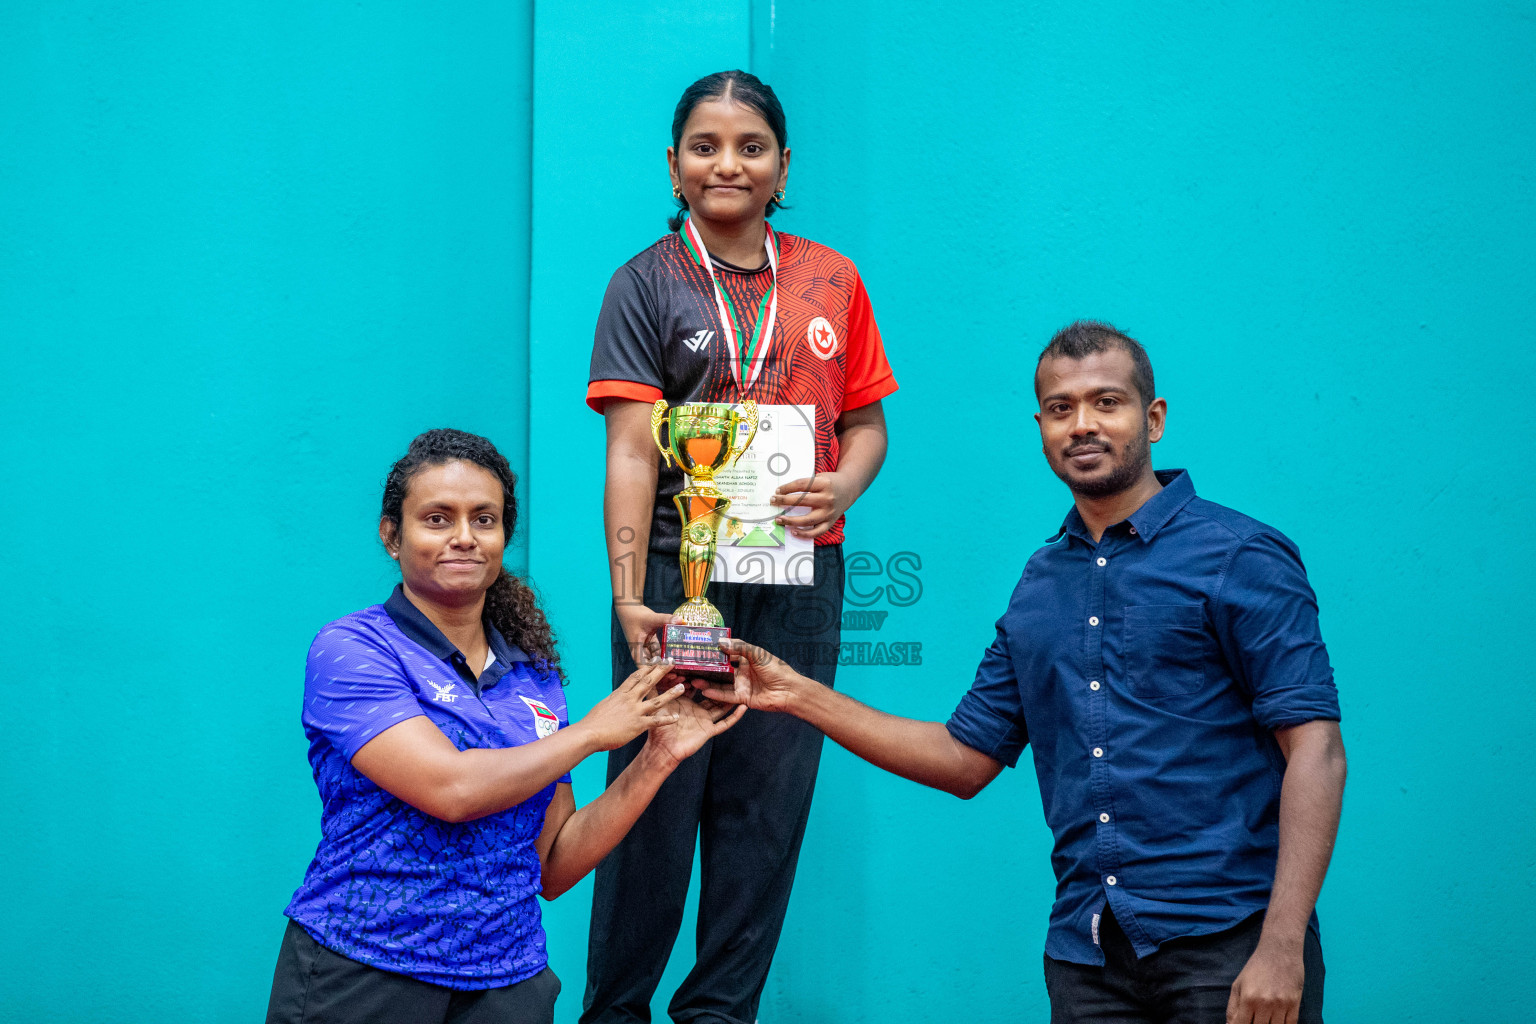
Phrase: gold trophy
x=701 y=439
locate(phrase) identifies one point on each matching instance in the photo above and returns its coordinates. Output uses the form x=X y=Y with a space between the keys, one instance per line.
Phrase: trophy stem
x=701 y=510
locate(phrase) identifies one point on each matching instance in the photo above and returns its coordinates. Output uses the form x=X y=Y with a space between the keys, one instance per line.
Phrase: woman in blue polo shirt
x=438 y=739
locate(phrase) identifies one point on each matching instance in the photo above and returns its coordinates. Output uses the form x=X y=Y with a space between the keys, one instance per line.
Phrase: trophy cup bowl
x=701 y=436
x=701 y=440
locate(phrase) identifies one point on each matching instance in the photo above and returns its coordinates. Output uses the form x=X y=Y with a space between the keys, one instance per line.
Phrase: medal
x=746 y=361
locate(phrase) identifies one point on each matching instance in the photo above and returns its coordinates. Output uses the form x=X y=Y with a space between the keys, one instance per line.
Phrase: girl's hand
x=632 y=708
x=640 y=626
x=826 y=495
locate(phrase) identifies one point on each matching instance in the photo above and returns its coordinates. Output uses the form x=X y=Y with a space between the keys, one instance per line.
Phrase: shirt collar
x=418 y=628
x=1154 y=514
x=1178 y=491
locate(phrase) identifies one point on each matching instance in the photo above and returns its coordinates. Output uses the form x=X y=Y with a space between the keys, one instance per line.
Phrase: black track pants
x=744 y=797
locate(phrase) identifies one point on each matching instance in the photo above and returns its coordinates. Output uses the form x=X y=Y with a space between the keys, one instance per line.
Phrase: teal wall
x=248 y=249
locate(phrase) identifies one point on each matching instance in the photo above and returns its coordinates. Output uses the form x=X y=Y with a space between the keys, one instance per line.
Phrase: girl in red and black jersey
x=721 y=309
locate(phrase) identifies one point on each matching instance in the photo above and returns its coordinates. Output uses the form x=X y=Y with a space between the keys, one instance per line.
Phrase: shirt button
x=1104 y=818
x=1093 y=620
x=1110 y=879
x=1103 y=561
x=1093 y=685
x=1098 y=751
x=1133 y=531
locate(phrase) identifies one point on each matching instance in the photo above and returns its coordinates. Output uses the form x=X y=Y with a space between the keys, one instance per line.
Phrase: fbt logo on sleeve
x=444 y=693
x=545 y=721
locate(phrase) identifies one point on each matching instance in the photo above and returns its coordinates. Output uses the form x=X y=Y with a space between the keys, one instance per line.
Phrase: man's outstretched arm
x=924 y=752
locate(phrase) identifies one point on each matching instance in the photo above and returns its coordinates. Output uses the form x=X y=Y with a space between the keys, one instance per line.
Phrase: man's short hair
x=1084 y=338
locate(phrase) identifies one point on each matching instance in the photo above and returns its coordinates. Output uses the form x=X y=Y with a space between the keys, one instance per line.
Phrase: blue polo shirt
x=391 y=886
x=1149 y=672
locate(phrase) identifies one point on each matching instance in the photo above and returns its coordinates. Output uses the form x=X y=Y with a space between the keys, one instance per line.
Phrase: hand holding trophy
x=701 y=439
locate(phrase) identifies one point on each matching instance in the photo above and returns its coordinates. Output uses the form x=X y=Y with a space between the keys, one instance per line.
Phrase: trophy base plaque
x=695 y=650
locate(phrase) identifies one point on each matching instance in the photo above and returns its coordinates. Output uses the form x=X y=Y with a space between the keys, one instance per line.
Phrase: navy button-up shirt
x=1149 y=672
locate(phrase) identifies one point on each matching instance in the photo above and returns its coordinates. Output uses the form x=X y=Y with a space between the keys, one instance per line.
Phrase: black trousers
x=744 y=798
x=1187 y=981
x=314 y=985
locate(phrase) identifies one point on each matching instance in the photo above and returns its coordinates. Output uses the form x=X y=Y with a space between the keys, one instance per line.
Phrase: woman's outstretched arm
x=417 y=763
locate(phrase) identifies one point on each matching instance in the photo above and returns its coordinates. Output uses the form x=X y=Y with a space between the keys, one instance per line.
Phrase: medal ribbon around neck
x=746 y=362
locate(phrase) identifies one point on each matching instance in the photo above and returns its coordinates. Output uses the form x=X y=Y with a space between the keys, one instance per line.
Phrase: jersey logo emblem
x=545 y=721
x=444 y=693
x=699 y=340
x=821 y=339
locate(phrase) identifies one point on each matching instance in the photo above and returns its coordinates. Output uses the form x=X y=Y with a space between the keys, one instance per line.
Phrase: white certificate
x=752 y=548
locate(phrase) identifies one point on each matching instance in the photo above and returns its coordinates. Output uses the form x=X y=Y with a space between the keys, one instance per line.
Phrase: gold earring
x=778 y=196
x=677 y=193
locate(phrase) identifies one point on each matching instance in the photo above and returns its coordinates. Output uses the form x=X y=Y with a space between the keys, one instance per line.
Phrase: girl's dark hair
x=510 y=604
x=739 y=87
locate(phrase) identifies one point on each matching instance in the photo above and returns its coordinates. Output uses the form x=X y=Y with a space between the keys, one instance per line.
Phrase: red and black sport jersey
x=659 y=336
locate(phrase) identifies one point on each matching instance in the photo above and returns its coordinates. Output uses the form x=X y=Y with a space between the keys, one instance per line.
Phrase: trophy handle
x=658 y=416
x=749 y=411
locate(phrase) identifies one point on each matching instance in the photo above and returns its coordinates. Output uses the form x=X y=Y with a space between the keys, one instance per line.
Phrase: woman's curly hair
x=511 y=605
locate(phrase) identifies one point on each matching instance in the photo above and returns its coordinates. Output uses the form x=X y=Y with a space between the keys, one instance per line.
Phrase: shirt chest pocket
x=1166 y=646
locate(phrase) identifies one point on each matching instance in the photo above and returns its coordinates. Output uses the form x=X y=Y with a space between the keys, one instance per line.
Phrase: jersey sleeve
x=354 y=689
x=1266 y=619
x=868 y=374
x=627 y=346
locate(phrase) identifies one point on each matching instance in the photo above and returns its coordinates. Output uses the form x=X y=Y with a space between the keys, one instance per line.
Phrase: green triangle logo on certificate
x=762 y=535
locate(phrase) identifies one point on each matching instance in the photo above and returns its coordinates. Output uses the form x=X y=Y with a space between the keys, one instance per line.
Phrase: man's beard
x=1138 y=455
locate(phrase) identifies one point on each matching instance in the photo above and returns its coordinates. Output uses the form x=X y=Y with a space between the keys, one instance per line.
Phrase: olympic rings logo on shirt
x=821 y=339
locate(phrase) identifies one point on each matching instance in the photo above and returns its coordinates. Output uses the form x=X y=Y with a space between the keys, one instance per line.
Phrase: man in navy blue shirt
x=1162 y=658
